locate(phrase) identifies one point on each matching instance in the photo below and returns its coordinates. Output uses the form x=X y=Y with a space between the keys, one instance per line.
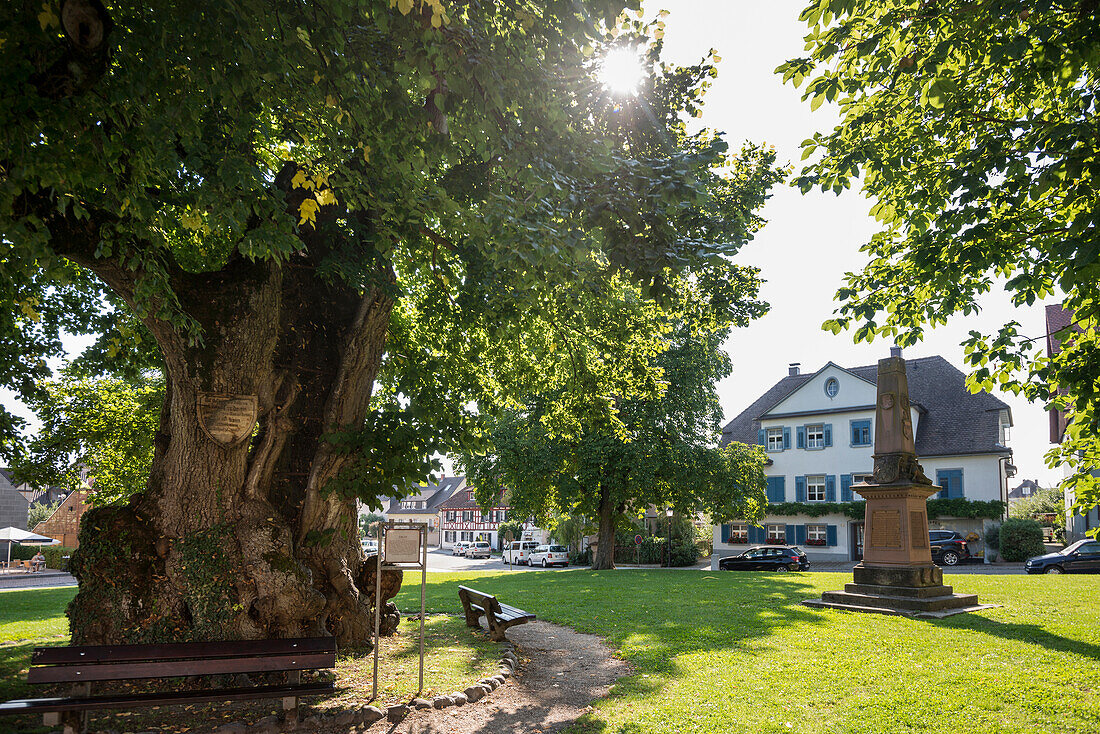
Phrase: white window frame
x=815 y=488
x=776 y=534
x=815 y=436
x=467 y=516
x=774 y=436
x=739 y=533
x=817 y=534
x=862 y=478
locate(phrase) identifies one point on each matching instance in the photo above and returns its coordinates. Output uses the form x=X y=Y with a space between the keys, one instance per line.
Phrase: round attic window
x=832 y=387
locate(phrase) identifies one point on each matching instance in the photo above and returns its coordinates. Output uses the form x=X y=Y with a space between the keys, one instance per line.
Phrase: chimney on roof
x=895 y=351
x=794 y=368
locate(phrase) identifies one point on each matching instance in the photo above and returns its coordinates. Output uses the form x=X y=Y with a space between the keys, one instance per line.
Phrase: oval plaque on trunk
x=227 y=419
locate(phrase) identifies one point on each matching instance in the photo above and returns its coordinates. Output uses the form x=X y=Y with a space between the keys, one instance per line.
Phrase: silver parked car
x=478 y=549
x=549 y=555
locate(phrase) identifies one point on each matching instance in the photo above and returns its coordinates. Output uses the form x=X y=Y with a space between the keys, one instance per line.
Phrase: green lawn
x=736 y=652
x=733 y=652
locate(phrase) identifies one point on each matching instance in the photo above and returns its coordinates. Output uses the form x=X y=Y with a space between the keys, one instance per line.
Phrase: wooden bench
x=499 y=616
x=84 y=665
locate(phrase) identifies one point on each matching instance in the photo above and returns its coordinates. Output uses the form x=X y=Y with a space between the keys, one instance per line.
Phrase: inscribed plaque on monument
x=402 y=546
x=917 y=530
x=886 y=529
x=227 y=419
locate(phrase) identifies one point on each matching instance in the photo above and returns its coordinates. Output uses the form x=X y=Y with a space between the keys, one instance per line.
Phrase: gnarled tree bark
x=241 y=541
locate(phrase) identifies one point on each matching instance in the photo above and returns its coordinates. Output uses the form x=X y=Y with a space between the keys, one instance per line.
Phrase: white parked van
x=519 y=551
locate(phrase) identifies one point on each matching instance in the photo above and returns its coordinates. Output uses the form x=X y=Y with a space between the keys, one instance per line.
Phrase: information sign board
x=403 y=545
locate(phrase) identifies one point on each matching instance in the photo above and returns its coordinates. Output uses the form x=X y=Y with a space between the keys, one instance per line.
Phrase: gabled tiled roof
x=955 y=422
x=433 y=495
x=463 y=500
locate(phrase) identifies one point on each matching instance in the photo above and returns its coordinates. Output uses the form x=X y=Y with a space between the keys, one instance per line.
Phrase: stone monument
x=897 y=575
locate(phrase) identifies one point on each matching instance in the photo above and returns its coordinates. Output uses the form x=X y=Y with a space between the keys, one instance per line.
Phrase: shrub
x=993 y=537
x=1021 y=539
x=584 y=558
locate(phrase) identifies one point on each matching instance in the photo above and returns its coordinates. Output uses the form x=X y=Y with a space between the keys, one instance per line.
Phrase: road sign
x=637 y=540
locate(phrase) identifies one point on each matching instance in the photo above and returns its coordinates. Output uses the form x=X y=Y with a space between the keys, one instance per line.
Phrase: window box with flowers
x=739 y=534
x=817 y=535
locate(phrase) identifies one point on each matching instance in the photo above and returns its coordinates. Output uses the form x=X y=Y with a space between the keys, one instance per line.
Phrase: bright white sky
x=810 y=241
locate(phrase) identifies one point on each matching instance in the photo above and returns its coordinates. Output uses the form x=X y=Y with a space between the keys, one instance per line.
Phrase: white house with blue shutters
x=818 y=431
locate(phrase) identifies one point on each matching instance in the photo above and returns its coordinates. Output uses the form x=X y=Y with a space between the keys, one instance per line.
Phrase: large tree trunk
x=242 y=541
x=605 y=544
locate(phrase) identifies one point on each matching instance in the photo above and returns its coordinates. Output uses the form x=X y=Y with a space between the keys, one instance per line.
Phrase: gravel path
x=560 y=673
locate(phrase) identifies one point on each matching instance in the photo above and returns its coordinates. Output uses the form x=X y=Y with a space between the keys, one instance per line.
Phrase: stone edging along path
x=367 y=715
x=548 y=676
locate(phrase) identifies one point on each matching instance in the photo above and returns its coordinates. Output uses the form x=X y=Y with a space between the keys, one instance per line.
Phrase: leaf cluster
x=972 y=126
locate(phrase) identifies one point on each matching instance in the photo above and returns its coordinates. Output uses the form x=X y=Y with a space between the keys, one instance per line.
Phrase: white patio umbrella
x=23 y=537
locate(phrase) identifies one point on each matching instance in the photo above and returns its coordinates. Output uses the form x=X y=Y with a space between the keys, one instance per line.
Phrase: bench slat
x=42 y=705
x=131 y=669
x=178 y=651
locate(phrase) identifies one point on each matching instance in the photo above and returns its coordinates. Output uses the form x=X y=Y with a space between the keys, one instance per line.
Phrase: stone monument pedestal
x=897 y=575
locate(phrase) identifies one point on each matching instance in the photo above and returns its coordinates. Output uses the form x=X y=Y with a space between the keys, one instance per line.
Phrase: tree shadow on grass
x=1030 y=633
x=650 y=617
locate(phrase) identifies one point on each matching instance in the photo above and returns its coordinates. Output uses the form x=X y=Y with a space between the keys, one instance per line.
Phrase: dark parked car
x=1081 y=557
x=948 y=547
x=767 y=558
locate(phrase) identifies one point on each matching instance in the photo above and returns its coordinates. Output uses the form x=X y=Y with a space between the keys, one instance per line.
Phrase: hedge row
x=954 y=507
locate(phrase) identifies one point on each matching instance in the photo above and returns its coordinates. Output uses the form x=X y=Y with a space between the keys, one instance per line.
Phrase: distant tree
x=39 y=513
x=661 y=453
x=1045 y=501
x=368 y=524
x=570 y=530
x=102 y=426
x=515 y=527
x=972 y=127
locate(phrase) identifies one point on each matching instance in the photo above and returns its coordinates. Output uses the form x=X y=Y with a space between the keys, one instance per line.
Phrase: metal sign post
x=403 y=546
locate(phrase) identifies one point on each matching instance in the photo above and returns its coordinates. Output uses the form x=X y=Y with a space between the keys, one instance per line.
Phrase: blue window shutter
x=790 y=534
x=760 y=437
x=800 y=534
x=775 y=489
x=830 y=535
x=802 y=437
x=956 y=489
x=853 y=430
x=781 y=489
x=830 y=488
x=726 y=533
x=845 y=487
x=756 y=534
x=950 y=480
x=786 y=437
x=828 y=434
x=800 y=489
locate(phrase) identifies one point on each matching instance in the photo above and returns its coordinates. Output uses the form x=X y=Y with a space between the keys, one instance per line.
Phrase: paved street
x=442 y=560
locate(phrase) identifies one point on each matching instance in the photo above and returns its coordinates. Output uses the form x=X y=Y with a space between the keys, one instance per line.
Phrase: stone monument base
x=912 y=591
